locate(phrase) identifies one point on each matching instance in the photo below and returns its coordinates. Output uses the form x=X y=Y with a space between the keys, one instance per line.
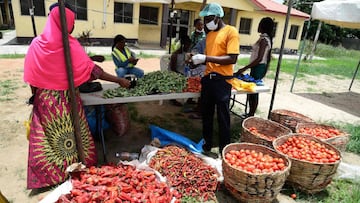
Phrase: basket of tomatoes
x=254 y=173
x=289 y=118
x=313 y=161
x=327 y=133
x=262 y=131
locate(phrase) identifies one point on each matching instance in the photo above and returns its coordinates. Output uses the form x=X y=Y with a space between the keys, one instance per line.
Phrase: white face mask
x=211 y=25
x=199 y=30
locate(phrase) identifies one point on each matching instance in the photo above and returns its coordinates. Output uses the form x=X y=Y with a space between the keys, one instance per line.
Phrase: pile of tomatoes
x=320 y=132
x=255 y=131
x=301 y=148
x=254 y=162
x=193 y=84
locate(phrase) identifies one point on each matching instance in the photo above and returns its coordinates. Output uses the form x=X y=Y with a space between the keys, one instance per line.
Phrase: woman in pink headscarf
x=52 y=142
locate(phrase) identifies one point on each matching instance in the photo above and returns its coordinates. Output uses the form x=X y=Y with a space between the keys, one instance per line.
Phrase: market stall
x=97 y=99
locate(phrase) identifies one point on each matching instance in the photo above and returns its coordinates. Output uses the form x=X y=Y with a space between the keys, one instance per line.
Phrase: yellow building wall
x=100 y=22
x=256 y=16
x=151 y=33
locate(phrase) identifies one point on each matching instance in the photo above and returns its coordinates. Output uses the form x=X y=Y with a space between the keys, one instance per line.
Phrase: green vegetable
x=152 y=83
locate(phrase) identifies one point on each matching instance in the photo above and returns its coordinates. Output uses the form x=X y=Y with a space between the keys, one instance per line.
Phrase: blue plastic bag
x=90 y=112
x=167 y=137
x=248 y=78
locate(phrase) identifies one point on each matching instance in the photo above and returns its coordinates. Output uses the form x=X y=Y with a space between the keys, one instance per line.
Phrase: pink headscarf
x=45 y=61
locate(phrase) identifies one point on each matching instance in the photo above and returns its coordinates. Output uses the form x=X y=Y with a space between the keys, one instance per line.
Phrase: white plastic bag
x=348 y=172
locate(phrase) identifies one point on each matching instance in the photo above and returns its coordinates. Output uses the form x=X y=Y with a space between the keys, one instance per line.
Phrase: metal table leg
x=233 y=101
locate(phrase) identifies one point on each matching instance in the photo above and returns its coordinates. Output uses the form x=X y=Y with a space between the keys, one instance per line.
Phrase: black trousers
x=215 y=93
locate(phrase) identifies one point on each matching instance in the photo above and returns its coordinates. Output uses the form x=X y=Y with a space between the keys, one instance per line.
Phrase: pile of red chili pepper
x=122 y=183
x=193 y=84
x=186 y=173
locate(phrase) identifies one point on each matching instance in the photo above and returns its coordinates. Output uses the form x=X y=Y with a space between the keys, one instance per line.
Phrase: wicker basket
x=249 y=187
x=339 y=141
x=267 y=127
x=289 y=118
x=307 y=176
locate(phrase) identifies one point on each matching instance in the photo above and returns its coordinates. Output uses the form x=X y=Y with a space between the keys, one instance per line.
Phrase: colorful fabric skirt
x=52 y=143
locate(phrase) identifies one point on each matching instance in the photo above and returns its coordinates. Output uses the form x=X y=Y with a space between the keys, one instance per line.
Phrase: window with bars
x=39 y=7
x=294 y=29
x=148 y=15
x=80 y=7
x=245 y=26
x=123 y=12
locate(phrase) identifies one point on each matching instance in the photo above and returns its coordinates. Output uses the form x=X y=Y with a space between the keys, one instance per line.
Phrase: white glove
x=198 y=59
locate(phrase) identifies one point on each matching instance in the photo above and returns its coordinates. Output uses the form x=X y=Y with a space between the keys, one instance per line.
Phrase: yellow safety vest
x=120 y=56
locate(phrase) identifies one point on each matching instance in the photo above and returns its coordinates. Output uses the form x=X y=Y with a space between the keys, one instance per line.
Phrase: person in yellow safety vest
x=124 y=59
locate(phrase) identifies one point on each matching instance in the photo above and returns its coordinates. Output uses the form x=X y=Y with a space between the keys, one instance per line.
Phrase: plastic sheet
x=167 y=137
x=90 y=112
x=348 y=172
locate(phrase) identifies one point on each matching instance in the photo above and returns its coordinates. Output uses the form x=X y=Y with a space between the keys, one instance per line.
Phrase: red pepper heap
x=122 y=183
x=188 y=174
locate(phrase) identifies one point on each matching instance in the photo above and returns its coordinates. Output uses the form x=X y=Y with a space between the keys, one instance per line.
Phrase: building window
x=80 y=7
x=245 y=25
x=148 y=15
x=39 y=7
x=123 y=12
x=293 y=31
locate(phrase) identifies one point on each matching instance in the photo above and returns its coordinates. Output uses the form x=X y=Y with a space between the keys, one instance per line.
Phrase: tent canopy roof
x=343 y=13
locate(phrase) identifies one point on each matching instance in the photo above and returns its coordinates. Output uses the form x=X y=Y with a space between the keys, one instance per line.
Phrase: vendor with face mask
x=221 y=52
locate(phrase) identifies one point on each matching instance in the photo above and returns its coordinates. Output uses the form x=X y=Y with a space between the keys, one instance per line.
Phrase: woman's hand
x=124 y=82
x=240 y=71
x=133 y=60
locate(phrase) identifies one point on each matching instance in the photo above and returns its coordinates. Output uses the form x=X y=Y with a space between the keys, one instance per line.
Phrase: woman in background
x=259 y=59
x=124 y=59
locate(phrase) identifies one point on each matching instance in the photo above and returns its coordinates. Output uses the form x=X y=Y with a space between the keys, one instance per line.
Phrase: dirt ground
x=322 y=99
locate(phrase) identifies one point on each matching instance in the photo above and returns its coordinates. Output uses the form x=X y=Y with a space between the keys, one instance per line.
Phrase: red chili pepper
x=124 y=196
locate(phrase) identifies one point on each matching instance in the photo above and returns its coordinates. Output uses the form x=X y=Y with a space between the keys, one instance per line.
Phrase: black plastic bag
x=88 y=87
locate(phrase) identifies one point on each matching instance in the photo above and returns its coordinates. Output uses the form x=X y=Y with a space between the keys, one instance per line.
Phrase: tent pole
x=300 y=54
x=315 y=40
x=74 y=107
x=171 y=23
x=31 y=12
x=280 y=57
x=357 y=68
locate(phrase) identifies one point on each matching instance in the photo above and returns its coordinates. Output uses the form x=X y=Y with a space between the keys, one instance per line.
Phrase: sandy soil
x=320 y=98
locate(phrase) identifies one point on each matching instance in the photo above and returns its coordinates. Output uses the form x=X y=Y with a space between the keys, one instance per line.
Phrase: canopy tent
x=342 y=13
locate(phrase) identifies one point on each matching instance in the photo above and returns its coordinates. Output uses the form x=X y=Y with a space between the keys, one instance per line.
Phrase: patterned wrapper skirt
x=52 y=143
